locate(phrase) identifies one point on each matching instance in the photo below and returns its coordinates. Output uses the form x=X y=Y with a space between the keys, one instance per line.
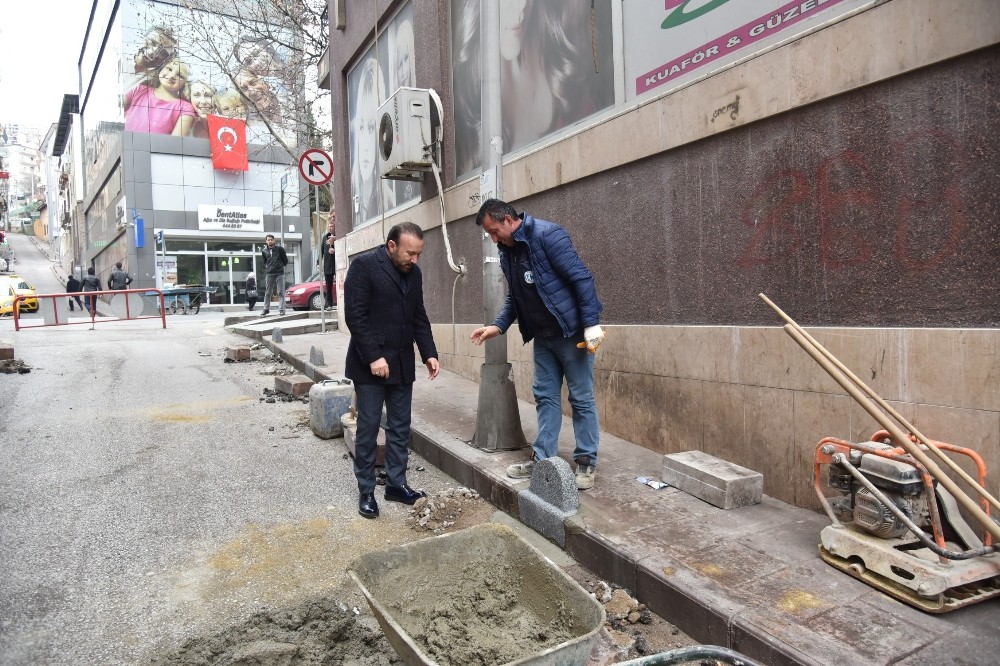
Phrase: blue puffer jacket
x=563 y=282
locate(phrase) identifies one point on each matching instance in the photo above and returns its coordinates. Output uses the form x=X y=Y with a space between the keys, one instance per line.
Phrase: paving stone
x=238 y=353
x=716 y=481
x=6 y=352
x=293 y=384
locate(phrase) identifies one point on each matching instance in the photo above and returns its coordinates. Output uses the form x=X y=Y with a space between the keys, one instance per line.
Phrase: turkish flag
x=228 y=137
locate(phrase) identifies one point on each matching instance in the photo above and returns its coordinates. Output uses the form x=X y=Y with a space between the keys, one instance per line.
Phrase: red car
x=308 y=295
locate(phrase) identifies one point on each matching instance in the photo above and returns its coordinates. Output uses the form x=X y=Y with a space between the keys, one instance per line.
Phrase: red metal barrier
x=48 y=306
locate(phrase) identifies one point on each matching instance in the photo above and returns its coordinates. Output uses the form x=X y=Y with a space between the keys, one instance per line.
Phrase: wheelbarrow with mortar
x=485 y=596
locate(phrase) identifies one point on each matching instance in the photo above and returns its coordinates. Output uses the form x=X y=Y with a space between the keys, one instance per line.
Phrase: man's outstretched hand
x=481 y=335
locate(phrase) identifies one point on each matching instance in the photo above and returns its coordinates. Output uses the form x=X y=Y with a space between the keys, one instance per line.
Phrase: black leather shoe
x=367 y=506
x=404 y=494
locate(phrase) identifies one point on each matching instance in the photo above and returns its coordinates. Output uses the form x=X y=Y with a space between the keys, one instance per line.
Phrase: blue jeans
x=397 y=399
x=556 y=358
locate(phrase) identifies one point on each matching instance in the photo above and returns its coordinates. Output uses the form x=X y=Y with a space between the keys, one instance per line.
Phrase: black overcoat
x=385 y=320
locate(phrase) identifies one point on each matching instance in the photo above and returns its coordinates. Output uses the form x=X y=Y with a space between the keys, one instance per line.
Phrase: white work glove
x=593 y=337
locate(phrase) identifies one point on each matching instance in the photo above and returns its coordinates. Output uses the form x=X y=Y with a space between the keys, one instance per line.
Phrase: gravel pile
x=439 y=511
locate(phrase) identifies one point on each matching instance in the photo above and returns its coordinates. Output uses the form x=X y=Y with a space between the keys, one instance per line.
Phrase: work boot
x=585 y=475
x=521 y=470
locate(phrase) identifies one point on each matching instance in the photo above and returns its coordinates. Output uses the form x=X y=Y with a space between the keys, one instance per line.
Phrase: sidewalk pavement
x=750 y=579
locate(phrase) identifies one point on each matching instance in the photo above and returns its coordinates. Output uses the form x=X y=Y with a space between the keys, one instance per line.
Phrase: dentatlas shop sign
x=230 y=218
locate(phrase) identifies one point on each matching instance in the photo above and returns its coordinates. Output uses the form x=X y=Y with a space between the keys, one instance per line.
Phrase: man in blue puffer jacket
x=551 y=294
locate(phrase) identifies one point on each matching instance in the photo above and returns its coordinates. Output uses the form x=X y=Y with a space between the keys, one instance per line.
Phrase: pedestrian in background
x=73 y=287
x=275 y=261
x=552 y=296
x=329 y=259
x=119 y=279
x=251 y=291
x=384 y=309
x=91 y=283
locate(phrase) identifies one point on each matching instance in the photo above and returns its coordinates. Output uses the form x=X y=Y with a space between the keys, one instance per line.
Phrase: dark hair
x=404 y=228
x=268 y=236
x=90 y=271
x=118 y=265
x=496 y=209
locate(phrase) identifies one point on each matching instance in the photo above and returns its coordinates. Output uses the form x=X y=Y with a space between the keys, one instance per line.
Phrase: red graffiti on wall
x=845 y=187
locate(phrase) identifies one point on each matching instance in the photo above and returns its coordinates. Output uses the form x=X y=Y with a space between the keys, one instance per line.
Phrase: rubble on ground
x=14 y=366
x=439 y=511
x=270 y=396
x=627 y=620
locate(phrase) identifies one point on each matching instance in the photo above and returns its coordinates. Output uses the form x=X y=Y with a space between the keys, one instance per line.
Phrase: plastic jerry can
x=329 y=400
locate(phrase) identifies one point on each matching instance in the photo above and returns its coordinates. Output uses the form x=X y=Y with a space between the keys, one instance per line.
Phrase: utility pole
x=498 y=422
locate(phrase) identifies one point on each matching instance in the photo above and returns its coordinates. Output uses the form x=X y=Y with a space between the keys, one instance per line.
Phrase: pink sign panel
x=763 y=27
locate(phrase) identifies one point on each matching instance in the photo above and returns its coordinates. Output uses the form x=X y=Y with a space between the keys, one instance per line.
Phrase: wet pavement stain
x=709 y=569
x=796 y=601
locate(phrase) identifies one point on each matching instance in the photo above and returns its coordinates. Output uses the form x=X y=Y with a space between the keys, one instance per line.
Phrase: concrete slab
x=718 y=482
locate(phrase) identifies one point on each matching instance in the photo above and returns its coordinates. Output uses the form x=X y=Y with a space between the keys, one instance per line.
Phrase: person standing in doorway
x=73 y=287
x=91 y=282
x=552 y=296
x=384 y=309
x=119 y=279
x=251 y=287
x=275 y=261
x=329 y=259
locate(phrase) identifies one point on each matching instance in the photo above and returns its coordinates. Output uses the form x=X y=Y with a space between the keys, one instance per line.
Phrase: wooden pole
x=886 y=406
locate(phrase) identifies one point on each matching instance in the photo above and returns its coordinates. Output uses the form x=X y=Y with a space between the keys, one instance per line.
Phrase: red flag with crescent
x=228 y=137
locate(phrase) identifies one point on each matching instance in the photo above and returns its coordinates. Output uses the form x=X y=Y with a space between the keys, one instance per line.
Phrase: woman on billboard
x=364 y=135
x=204 y=101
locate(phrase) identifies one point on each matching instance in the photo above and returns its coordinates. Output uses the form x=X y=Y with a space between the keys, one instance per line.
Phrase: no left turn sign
x=316 y=167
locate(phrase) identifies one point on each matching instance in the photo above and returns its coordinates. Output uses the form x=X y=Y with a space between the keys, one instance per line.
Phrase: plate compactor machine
x=888 y=492
x=899 y=530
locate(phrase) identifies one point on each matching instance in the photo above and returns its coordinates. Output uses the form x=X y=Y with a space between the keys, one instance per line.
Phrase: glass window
x=232 y=246
x=184 y=245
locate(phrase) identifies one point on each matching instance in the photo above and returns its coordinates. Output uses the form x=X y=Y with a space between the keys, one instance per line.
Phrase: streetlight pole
x=498 y=422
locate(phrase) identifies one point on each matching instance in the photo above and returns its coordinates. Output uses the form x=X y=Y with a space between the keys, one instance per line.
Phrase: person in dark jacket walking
x=329 y=259
x=552 y=296
x=73 y=286
x=119 y=279
x=384 y=310
x=91 y=283
x=275 y=261
x=251 y=287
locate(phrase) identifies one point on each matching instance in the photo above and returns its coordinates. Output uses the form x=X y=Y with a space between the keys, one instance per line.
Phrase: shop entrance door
x=226 y=272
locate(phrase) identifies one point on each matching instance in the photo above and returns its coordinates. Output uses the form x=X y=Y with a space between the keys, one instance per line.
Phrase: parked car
x=308 y=295
x=12 y=285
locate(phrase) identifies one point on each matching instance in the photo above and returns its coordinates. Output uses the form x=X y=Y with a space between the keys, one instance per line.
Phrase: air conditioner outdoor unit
x=405 y=142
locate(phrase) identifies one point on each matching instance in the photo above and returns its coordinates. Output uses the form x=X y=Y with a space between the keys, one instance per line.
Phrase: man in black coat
x=73 y=286
x=384 y=310
x=329 y=260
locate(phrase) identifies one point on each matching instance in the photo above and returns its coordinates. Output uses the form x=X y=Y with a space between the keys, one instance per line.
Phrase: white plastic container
x=328 y=401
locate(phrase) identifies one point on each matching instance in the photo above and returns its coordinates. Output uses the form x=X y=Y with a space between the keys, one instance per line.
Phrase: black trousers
x=329 y=289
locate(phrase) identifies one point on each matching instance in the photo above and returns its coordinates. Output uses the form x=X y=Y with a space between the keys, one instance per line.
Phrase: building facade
x=151 y=74
x=839 y=157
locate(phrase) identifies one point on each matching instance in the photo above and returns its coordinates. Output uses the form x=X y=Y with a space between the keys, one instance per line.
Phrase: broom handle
x=884 y=405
